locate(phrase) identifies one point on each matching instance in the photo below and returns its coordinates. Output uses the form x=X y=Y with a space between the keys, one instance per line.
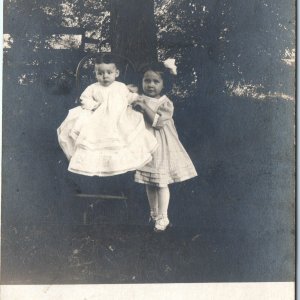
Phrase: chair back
x=85 y=73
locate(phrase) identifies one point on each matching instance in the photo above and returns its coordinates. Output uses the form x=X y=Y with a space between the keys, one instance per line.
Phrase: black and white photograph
x=148 y=144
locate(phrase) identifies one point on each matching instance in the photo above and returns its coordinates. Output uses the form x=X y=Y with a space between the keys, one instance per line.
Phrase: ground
x=234 y=222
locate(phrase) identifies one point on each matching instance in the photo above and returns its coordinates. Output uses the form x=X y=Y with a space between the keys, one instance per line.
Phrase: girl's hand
x=139 y=104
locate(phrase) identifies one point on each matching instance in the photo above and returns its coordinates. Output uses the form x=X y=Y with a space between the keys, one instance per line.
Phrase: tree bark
x=133 y=30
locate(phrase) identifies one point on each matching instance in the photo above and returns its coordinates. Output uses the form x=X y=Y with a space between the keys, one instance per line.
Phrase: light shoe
x=161 y=224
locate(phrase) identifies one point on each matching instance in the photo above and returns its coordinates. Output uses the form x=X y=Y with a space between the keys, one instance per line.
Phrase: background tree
x=234 y=112
x=133 y=32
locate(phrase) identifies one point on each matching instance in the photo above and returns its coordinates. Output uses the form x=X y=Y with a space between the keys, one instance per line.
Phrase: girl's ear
x=117 y=73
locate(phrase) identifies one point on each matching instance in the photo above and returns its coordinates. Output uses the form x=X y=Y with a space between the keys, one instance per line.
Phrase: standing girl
x=170 y=161
x=104 y=136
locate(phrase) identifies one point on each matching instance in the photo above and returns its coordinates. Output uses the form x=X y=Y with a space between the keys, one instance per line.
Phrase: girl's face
x=152 y=84
x=106 y=74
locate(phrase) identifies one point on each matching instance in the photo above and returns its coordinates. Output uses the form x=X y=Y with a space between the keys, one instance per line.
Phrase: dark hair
x=123 y=64
x=157 y=67
x=107 y=58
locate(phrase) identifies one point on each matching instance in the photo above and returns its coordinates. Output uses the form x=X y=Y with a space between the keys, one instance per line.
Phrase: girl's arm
x=157 y=119
x=148 y=113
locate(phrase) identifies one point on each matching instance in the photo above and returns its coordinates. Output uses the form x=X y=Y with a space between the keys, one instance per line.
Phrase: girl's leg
x=163 y=205
x=152 y=195
x=163 y=201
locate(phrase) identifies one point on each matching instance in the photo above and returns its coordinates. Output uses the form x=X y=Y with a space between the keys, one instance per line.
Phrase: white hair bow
x=170 y=64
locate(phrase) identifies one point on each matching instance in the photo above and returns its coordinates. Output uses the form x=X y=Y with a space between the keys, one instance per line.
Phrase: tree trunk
x=133 y=30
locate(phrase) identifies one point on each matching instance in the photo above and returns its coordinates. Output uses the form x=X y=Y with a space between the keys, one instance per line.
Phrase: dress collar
x=156 y=99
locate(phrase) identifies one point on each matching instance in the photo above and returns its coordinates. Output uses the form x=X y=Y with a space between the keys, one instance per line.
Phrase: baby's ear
x=117 y=73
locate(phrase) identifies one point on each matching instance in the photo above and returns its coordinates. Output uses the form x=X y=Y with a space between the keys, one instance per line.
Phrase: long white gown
x=110 y=140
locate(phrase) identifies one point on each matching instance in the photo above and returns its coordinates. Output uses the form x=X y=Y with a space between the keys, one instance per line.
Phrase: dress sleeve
x=131 y=97
x=163 y=114
x=87 y=100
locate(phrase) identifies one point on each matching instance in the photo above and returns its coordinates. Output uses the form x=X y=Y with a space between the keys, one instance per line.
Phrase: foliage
x=219 y=46
x=216 y=42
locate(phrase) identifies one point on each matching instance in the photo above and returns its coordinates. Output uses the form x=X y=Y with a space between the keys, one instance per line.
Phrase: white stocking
x=152 y=195
x=163 y=201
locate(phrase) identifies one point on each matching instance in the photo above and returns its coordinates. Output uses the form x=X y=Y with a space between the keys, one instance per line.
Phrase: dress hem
x=115 y=172
x=106 y=174
x=164 y=184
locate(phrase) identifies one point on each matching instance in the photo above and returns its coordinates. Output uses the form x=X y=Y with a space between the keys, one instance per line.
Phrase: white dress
x=105 y=136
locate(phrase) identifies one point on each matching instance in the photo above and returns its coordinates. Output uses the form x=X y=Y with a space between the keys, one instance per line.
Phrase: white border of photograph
x=197 y=291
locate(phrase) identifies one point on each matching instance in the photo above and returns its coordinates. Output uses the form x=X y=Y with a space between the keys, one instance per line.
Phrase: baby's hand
x=132 y=88
x=96 y=106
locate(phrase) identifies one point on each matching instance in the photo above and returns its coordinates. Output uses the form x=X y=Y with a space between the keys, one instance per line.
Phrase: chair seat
x=103 y=209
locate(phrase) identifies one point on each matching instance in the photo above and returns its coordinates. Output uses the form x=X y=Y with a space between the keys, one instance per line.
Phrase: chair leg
x=84 y=218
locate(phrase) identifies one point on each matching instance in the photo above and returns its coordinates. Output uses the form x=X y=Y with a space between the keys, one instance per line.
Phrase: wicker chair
x=96 y=203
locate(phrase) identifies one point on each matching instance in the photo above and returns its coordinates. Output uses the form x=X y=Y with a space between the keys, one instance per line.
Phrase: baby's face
x=152 y=84
x=106 y=74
